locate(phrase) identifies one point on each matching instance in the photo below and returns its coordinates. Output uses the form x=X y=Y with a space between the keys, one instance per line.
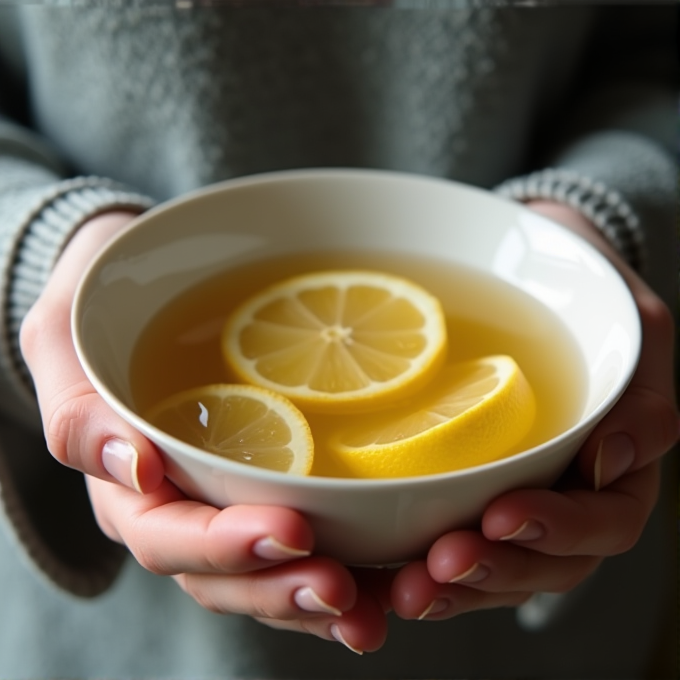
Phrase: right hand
x=249 y=560
x=81 y=431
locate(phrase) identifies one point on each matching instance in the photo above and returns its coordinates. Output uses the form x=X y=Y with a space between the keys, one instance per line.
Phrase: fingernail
x=435 y=607
x=474 y=574
x=615 y=455
x=338 y=636
x=120 y=459
x=309 y=601
x=269 y=548
x=529 y=531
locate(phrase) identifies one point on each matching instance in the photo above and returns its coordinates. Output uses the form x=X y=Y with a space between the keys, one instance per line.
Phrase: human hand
x=253 y=561
x=550 y=540
x=81 y=431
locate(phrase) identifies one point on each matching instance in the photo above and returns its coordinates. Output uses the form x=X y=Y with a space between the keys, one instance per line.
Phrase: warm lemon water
x=338 y=341
x=180 y=347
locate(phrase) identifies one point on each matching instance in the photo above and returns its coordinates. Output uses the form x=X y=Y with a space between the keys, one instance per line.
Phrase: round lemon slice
x=240 y=422
x=476 y=413
x=338 y=341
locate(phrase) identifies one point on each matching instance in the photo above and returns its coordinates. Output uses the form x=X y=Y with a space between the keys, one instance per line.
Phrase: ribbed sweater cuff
x=604 y=207
x=56 y=213
x=39 y=497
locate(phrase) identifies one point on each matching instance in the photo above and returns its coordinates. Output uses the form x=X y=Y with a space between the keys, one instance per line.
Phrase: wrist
x=49 y=230
x=98 y=229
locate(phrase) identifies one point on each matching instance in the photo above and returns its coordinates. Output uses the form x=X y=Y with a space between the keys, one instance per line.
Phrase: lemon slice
x=338 y=341
x=240 y=422
x=476 y=413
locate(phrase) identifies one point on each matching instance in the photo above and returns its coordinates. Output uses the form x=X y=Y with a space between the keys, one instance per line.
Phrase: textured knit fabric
x=102 y=108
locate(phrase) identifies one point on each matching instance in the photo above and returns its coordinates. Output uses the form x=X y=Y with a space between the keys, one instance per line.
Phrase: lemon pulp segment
x=476 y=413
x=338 y=341
x=240 y=422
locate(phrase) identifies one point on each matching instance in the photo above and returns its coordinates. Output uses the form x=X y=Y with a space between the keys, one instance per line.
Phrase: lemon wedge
x=475 y=413
x=240 y=422
x=338 y=341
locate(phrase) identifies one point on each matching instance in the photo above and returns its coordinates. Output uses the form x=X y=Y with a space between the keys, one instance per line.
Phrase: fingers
x=468 y=558
x=252 y=560
x=169 y=534
x=576 y=521
x=416 y=595
x=313 y=595
x=361 y=629
x=315 y=585
x=644 y=424
x=378 y=582
x=640 y=429
x=535 y=540
x=81 y=431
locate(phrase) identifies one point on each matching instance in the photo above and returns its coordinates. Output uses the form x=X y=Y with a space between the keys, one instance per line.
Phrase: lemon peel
x=478 y=411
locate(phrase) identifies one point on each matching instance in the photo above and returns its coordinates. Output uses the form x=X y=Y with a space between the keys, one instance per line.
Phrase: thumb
x=81 y=430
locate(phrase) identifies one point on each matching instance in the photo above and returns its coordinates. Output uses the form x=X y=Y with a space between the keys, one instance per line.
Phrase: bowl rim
x=577 y=431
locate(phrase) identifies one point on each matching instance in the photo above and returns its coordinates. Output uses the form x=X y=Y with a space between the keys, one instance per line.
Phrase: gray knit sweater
x=129 y=106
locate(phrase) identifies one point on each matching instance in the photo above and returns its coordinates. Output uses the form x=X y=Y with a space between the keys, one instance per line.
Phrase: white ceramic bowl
x=178 y=244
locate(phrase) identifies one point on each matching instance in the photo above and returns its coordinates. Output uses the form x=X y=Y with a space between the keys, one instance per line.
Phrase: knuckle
x=66 y=419
x=38 y=325
x=62 y=426
x=143 y=549
x=264 y=607
x=29 y=332
x=58 y=430
x=264 y=612
x=195 y=588
x=148 y=559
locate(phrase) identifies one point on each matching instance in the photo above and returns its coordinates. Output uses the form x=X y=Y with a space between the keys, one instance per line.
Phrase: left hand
x=549 y=540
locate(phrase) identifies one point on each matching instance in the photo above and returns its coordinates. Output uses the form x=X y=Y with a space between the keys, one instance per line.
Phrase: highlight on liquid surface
x=180 y=348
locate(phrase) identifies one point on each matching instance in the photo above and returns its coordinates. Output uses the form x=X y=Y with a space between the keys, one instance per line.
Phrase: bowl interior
x=177 y=245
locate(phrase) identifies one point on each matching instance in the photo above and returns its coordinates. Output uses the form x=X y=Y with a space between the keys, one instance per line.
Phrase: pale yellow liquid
x=180 y=348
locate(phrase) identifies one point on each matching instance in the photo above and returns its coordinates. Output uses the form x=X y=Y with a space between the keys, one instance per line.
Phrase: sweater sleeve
x=44 y=505
x=611 y=151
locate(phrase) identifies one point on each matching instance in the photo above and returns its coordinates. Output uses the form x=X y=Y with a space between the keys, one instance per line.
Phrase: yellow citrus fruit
x=338 y=341
x=241 y=422
x=477 y=411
